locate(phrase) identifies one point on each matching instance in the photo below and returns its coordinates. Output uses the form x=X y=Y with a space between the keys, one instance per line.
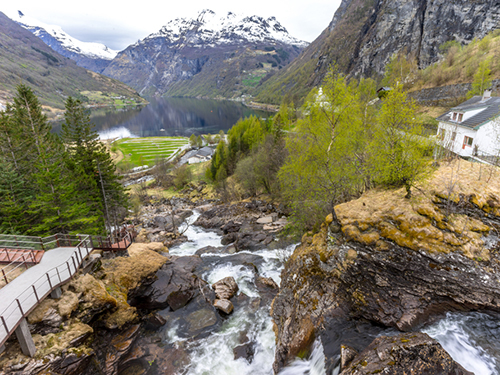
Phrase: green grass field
x=145 y=151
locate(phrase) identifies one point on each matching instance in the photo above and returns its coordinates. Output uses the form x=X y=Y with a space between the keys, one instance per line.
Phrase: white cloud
x=118 y=24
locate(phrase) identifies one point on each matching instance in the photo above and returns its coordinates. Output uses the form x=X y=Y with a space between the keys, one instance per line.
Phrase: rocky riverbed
x=393 y=284
x=167 y=310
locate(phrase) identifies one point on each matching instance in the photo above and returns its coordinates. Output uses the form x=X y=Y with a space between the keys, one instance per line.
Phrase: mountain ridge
x=25 y=58
x=208 y=56
x=89 y=55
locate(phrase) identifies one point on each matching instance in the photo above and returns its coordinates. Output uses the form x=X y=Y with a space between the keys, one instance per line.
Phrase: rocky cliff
x=392 y=262
x=364 y=34
x=207 y=56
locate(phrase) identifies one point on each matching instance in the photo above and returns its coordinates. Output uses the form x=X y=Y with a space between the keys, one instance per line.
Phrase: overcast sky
x=121 y=23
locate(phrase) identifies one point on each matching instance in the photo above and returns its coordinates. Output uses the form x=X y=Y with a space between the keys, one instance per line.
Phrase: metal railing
x=26 y=301
x=24 y=259
x=38 y=243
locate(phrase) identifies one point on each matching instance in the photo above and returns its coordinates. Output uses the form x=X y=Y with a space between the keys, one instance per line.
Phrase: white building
x=473 y=127
x=202 y=155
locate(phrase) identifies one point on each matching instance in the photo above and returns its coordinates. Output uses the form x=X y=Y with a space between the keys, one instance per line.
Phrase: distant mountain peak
x=88 y=49
x=207 y=28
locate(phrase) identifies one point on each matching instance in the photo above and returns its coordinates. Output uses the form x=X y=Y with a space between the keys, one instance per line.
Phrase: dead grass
x=418 y=223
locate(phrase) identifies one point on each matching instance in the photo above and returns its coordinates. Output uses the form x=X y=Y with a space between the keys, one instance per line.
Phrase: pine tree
x=93 y=168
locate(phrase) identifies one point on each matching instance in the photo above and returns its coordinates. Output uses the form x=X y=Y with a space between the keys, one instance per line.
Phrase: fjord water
x=470 y=338
x=172 y=117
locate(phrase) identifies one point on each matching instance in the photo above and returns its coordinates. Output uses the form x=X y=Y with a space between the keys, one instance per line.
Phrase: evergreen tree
x=91 y=165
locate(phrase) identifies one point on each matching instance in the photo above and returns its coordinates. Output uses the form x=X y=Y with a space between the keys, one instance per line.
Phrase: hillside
x=365 y=34
x=24 y=58
x=213 y=56
x=88 y=55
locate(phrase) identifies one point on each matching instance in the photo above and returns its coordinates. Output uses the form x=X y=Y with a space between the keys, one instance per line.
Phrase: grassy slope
x=460 y=63
x=24 y=58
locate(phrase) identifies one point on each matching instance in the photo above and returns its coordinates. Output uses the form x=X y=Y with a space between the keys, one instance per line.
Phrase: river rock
x=265 y=220
x=414 y=353
x=174 y=285
x=245 y=351
x=347 y=354
x=225 y=288
x=224 y=305
x=119 y=347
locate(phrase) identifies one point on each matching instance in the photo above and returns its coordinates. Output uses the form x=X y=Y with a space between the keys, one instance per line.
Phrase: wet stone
x=224 y=305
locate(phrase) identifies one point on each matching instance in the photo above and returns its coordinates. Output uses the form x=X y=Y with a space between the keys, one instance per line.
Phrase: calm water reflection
x=172 y=116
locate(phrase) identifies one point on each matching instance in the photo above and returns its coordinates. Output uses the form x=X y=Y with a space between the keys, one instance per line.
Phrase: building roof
x=205 y=151
x=491 y=110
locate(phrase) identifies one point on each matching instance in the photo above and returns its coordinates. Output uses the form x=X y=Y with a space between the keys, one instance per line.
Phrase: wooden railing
x=28 y=299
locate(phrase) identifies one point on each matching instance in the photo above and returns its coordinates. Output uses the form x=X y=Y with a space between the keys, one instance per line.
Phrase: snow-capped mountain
x=208 y=28
x=209 y=55
x=93 y=56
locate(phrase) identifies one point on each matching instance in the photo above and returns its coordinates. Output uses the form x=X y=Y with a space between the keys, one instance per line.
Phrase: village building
x=203 y=154
x=472 y=129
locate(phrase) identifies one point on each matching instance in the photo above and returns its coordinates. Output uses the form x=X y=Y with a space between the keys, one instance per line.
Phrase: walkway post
x=25 y=340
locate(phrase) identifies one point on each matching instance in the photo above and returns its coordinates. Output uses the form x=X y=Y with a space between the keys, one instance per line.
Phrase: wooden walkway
x=56 y=267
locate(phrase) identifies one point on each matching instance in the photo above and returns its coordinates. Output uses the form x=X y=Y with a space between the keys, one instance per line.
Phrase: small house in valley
x=203 y=154
x=472 y=128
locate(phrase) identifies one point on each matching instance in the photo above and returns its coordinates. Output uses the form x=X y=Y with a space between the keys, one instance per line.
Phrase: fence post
x=69 y=269
x=20 y=308
x=5 y=324
x=57 y=240
x=48 y=278
x=36 y=295
x=5 y=277
x=74 y=263
x=58 y=275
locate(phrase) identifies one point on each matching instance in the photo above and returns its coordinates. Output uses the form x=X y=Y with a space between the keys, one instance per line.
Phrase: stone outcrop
x=396 y=263
x=410 y=353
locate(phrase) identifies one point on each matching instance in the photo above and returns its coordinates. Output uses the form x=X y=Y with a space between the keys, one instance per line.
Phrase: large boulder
x=409 y=353
x=173 y=285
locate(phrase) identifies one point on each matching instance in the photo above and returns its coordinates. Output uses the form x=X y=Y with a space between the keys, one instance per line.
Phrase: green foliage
x=402 y=69
x=482 y=79
x=398 y=148
x=182 y=176
x=192 y=140
x=99 y=191
x=49 y=186
x=326 y=153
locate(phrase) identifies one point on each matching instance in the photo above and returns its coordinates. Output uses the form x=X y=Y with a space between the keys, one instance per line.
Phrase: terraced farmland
x=145 y=151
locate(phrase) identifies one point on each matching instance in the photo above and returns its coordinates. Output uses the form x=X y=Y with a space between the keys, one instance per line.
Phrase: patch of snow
x=93 y=50
x=212 y=29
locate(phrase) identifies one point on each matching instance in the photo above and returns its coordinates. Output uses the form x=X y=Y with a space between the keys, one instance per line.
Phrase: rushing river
x=470 y=338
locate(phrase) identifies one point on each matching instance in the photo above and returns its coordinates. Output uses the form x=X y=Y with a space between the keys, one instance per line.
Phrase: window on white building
x=454 y=116
x=453 y=136
x=468 y=142
x=460 y=117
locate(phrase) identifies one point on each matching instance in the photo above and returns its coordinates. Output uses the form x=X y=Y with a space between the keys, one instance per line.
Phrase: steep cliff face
x=364 y=34
x=210 y=56
x=393 y=262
